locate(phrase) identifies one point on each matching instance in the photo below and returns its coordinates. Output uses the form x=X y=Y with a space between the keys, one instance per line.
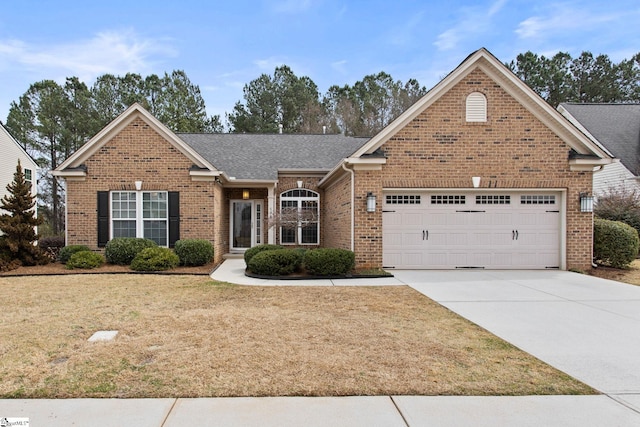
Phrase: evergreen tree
x=18 y=225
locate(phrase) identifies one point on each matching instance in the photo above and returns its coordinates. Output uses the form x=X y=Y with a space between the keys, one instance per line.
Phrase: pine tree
x=18 y=225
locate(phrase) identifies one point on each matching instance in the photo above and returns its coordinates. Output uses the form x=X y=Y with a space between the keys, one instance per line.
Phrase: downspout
x=353 y=214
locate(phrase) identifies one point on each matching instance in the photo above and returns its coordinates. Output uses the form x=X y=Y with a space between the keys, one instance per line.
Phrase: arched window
x=476 y=107
x=299 y=217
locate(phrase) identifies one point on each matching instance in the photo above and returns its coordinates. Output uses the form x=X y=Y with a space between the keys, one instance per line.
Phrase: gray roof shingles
x=259 y=156
x=615 y=126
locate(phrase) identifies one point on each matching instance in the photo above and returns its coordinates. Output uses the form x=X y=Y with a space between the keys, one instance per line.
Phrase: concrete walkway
x=585 y=326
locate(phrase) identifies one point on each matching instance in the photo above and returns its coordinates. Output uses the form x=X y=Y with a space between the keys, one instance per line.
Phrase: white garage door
x=471 y=230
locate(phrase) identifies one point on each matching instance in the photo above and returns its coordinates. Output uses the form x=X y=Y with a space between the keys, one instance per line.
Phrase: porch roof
x=260 y=156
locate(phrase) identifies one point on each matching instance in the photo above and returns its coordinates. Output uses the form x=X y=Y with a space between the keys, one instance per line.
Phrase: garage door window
x=448 y=200
x=535 y=199
x=493 y=200
x=402 y=199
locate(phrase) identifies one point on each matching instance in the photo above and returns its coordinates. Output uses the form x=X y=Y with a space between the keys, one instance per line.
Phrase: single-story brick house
x=479 y=173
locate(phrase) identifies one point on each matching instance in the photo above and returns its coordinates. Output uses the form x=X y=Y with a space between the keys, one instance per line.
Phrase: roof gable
x=12 y=147
x=515 y=87
x=135 y=111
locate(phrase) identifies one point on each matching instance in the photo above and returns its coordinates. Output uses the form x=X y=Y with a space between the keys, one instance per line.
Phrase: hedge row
x=273 y=260
x=140 y=254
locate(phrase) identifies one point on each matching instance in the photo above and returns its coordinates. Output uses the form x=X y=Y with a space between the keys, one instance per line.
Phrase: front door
x=246 y=224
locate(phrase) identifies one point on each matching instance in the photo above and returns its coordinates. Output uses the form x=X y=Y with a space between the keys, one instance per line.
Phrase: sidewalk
x=367 y=411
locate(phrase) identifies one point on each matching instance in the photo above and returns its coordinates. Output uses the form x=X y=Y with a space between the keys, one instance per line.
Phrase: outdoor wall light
x=245 y=194
x=586 y=202
x=138 y=185
x=371 y=202
x=476 y=181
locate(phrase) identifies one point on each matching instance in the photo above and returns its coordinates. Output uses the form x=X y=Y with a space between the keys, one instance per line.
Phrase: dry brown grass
x=188 y=336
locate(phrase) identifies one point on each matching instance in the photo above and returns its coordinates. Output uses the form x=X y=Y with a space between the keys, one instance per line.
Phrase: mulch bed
x=56 y=268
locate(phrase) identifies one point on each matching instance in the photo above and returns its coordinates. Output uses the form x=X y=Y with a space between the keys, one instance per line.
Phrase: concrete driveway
x=585 y=326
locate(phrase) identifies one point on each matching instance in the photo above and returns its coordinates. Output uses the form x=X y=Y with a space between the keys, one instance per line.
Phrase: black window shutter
x=174 y=218
x=103 y=218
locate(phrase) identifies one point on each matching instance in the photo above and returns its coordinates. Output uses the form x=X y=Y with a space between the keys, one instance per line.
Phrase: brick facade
x=439 y=149
x=138 y=153
x=336 y=223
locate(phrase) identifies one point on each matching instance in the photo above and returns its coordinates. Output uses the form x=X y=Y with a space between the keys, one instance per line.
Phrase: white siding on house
x=614 y=177
x=10 y=153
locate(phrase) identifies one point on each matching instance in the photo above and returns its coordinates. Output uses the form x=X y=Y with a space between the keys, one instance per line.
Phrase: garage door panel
x=469 y=230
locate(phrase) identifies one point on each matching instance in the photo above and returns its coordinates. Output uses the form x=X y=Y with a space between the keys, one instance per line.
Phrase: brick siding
x=439 y=149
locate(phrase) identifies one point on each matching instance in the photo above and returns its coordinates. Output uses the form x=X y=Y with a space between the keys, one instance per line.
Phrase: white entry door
x=471 y=230
x=246 y=224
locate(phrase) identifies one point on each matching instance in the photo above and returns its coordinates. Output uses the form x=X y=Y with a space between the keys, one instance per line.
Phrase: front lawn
x=188 y=336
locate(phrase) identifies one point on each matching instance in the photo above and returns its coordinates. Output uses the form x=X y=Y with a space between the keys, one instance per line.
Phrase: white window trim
x=299 y=227
x=140 y=220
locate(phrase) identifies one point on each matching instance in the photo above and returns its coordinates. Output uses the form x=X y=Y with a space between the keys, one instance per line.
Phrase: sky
x=223 y=45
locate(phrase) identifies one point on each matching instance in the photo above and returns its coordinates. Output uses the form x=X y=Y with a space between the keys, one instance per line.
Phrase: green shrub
x=68 y=251
x=329 y=261
x=84 y=259
x=249 y=253
x=122 y=250
x=614 y=243
x=155 y=259
x=275 y=262
x=194 y=251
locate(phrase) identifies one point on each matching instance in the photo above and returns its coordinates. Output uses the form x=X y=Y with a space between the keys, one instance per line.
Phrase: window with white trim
x=140 y=214
x=299 y=217
x=476 y=107
x=28 y=176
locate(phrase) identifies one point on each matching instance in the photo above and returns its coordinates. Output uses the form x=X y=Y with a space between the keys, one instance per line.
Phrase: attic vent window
x=476 y=108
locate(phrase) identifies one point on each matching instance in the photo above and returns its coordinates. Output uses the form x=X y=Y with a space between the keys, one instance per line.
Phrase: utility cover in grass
x=103 y=336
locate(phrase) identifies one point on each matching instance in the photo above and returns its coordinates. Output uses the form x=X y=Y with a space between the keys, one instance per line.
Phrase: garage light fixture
x=476 y=181
x=371 y=202
x=138 y=185
x=586 y=202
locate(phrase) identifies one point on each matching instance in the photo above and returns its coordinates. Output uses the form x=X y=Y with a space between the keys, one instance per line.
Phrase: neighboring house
x=479 y=173
x=11 y=152
x=616 y=128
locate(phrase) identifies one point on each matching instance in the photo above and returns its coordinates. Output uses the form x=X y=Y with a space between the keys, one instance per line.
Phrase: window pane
x=156 y=231
x=288 y=235
x=154 y=204
x=124 y=229
x=123 y=205
x=310 y=233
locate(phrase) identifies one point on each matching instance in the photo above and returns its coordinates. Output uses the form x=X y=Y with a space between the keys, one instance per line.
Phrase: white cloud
x=339 y=66
x=560 y=19
x=116 y=52
x=472 y=22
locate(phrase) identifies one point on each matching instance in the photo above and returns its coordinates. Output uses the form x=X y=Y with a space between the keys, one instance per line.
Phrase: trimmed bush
x=155 y=259
x=329 y=261
x=85 y=260
x=68 y=251
x=250 y=253
x=51 y=246
x=194 y=251
x=122 y=250
x=275 y=262
x=614 y=243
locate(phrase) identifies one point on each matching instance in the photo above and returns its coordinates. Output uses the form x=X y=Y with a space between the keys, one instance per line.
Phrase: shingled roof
x=615 y=126
x=259 y=156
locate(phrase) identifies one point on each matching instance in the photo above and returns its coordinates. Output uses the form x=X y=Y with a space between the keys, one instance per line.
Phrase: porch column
x=271 y=201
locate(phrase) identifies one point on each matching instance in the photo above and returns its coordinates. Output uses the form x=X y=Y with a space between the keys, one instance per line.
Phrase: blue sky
x=222 y=45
